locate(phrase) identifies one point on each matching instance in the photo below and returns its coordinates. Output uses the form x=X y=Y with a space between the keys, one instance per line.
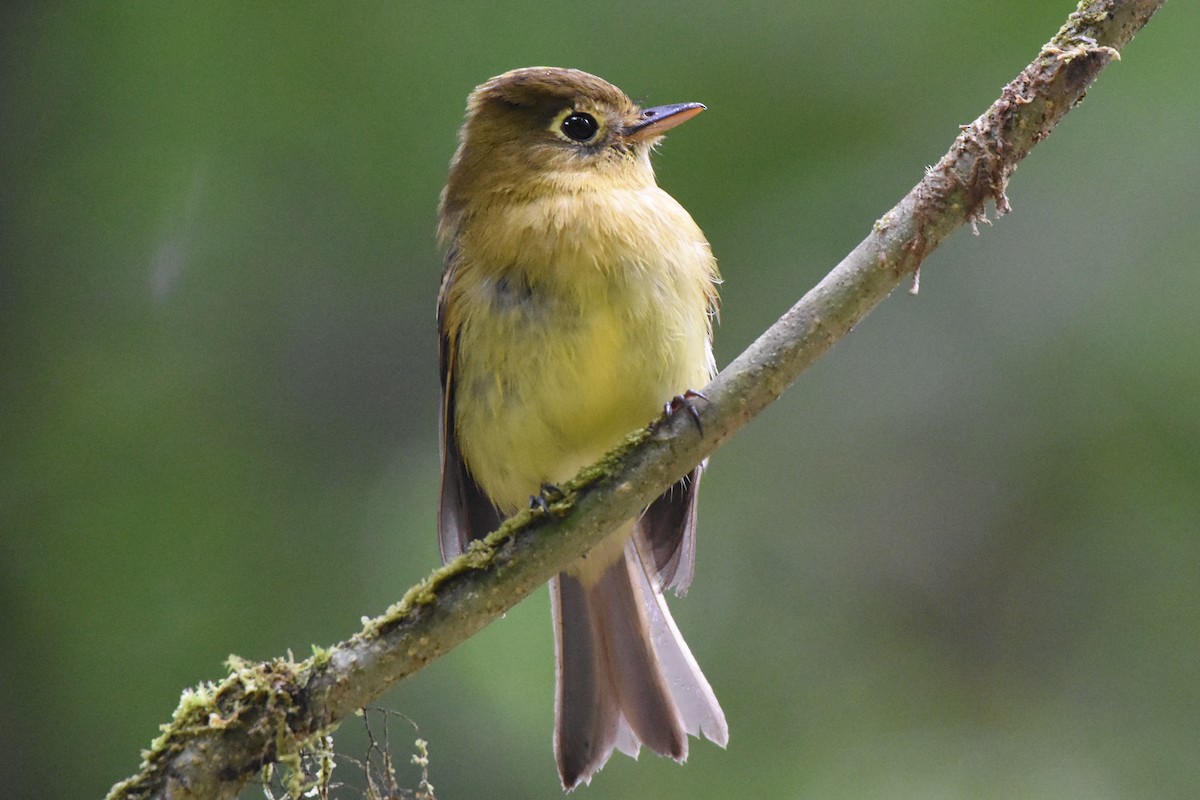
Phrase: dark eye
x=579 y=126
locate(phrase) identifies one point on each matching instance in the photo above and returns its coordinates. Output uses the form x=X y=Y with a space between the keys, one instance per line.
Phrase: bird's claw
x=685 y=402
x=547 y=494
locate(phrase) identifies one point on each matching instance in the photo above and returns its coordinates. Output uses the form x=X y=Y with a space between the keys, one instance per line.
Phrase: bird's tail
x=624 y=675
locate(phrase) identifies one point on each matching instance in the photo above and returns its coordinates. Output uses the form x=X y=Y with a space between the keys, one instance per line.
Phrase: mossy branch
x=223 y=734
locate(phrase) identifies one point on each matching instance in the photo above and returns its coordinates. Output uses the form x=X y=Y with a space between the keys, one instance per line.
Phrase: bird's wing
x=464 y=512
x=666 y=533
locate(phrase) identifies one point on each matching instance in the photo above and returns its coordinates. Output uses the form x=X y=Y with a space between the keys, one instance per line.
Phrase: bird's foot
x=685 y=402
x=548 y=493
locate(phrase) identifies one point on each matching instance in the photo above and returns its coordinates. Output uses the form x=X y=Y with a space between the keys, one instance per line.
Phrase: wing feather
x=465 y=512
x=666 y=533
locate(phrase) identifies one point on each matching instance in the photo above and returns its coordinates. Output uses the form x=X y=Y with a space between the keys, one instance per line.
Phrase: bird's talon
x=547 y=493
x=685 y=401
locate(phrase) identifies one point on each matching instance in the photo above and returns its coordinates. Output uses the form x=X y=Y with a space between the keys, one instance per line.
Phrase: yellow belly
x=568 y=347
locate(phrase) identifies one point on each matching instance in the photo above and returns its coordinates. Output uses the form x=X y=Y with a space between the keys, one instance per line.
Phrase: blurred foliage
x=959 y=559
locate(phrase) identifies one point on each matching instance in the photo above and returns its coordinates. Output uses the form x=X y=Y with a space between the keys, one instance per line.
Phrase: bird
x=577 y=300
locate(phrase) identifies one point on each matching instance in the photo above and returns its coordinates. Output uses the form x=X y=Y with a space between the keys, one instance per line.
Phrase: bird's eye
x=579 y=126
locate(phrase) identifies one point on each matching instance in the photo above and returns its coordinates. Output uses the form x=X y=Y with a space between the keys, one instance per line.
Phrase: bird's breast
x=585 y=317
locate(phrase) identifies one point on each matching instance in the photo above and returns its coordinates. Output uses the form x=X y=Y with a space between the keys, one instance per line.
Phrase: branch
x=223 y=734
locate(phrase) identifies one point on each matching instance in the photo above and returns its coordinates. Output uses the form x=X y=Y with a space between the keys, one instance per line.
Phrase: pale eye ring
x=579 y=126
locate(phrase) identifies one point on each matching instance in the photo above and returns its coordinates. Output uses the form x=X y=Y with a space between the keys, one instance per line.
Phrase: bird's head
x=542 y=130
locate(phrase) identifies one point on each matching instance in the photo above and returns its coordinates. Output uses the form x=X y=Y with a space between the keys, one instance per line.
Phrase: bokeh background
x=960 y=559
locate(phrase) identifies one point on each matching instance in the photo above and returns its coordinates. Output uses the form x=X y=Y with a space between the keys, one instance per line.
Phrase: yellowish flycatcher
x=577 y=298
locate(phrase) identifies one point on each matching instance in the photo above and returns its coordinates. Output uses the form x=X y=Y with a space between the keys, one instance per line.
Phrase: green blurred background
x=958 y=560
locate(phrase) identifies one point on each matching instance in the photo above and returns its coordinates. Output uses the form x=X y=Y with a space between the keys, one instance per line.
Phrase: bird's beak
x=660 y=119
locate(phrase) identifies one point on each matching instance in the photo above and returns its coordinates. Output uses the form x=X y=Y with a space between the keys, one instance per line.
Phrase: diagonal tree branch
x=223 y=734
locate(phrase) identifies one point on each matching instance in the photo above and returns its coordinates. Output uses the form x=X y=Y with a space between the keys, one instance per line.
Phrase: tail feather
x=694 y=698
x=586 y=715
x=625 y=676
x=637 y=682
